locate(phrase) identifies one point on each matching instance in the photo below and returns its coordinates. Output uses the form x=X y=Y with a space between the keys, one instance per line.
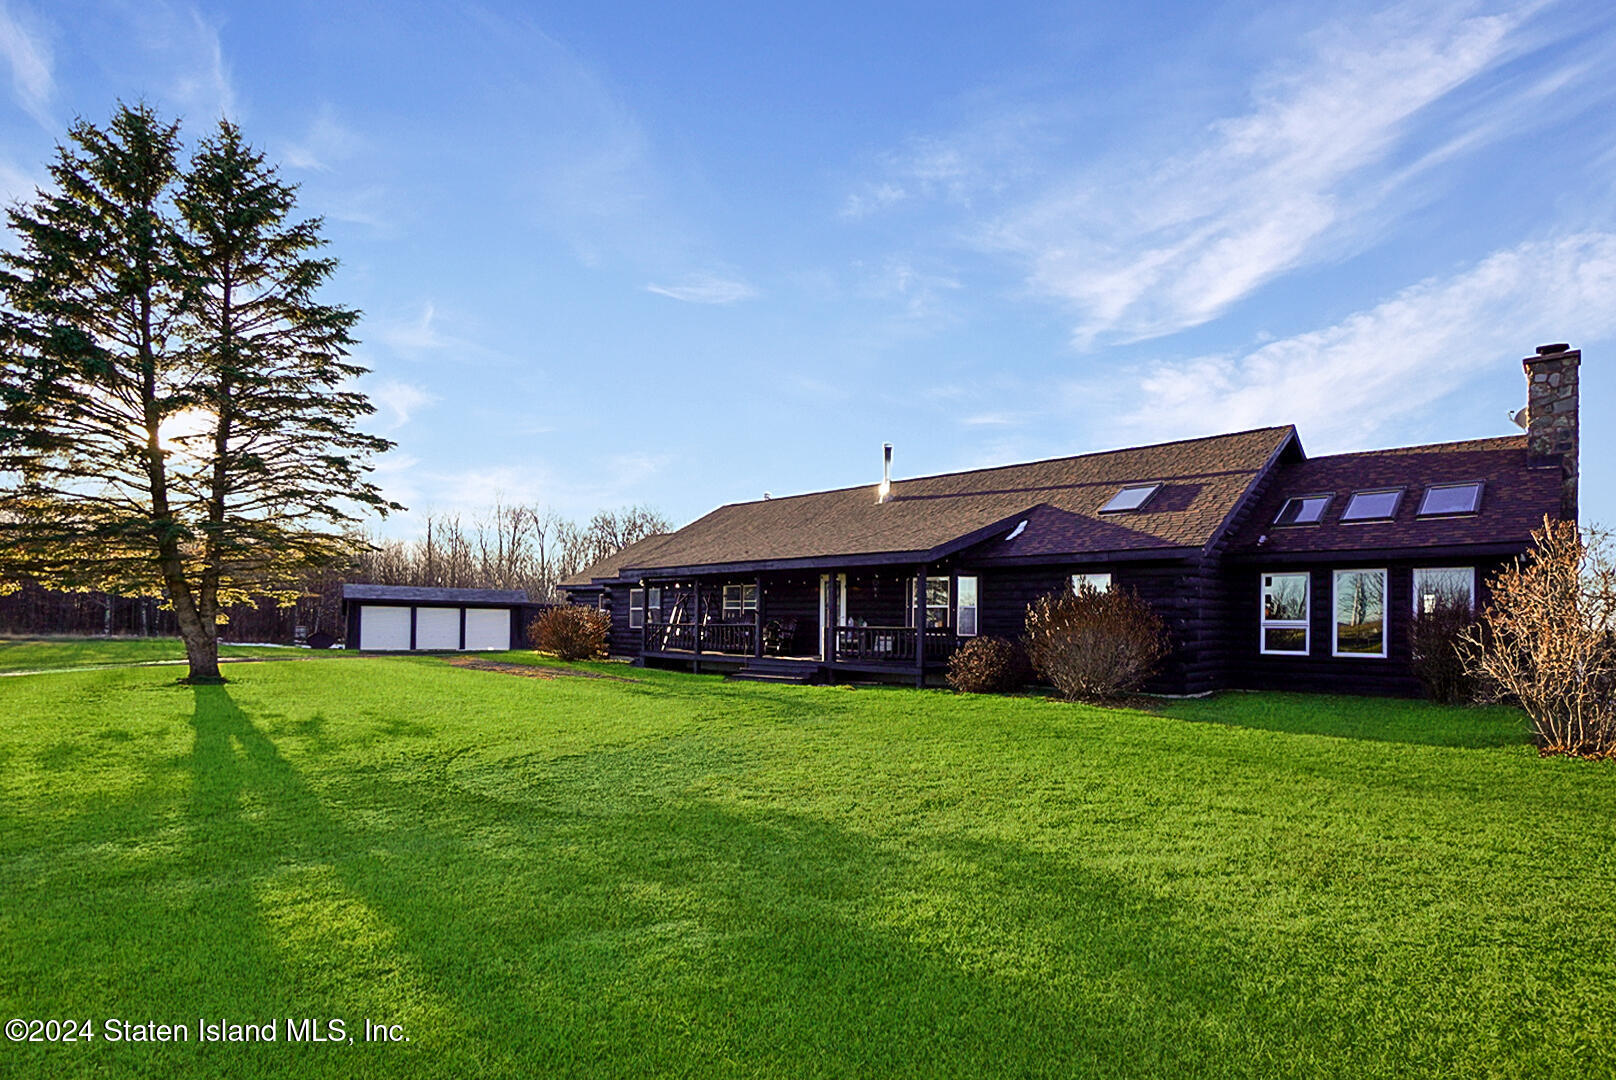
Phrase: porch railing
x=888 y=644
x=734 y=638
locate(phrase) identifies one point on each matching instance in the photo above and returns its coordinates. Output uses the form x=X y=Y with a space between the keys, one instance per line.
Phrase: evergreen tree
x=173 y=411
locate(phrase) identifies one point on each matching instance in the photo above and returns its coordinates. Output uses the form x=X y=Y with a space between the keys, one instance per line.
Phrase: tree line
x=516 y=546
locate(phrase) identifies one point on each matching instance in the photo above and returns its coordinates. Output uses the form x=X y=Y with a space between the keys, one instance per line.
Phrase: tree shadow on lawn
x=1371 y=719
x=569 y=920
x=590 y=916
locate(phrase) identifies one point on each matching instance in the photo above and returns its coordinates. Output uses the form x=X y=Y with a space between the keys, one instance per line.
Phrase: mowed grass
x=50 y=653
x=678 y=876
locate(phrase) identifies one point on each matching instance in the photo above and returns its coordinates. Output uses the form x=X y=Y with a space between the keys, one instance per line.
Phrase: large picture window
x=1435 y=584
x=936 y=604
x=965 y=607
x=739 y=599
x=1360 y=613
x=1285 y=605
x=636 y=608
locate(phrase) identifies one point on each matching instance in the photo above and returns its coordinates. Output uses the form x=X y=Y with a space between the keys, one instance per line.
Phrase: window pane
x=1291 y=639
x=1307 y=510
x=1130 y=498
x=1360 y=612
x=1097 y=582
x=1451 y=499
x=1453 y=585
x=1371 y=505
x=965 y=607
x=1284 y=597
x=936 y=592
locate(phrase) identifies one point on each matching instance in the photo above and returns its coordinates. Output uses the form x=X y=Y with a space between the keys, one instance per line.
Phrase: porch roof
x=1202 y=482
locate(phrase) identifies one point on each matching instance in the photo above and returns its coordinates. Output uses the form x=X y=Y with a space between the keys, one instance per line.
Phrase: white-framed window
x=936 y=604
x=739 y=599
x=1286 y=603
x=636 y=608
x=1360 y=613
x=1132 y=497
x=965 y=606
x=603 y=602
x=1097 y=582
x=1433 y=584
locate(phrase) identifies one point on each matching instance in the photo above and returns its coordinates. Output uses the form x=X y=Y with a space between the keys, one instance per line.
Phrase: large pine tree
x=175 y=405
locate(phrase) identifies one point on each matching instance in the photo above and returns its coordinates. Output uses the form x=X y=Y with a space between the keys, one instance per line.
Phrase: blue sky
x=686 y=254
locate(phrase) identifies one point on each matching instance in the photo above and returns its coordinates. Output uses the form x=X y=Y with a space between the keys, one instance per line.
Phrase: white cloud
x=327 y=142
x=31 y=62
x=706 y=289
x=1381 y=367
x=401 y=399
x=416 y=334
x=1147 y=249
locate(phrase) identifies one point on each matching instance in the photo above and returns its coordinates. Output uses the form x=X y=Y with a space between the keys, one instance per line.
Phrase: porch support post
x=645 y=618
x=695 y=615
x=757 y=620
x=920 y=625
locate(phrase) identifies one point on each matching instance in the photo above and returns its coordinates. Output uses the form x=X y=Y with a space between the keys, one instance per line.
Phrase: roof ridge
x=1420 y=446
x=1013 y=465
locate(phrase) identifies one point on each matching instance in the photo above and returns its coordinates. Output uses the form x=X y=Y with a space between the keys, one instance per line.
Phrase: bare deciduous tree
x=1548 y=640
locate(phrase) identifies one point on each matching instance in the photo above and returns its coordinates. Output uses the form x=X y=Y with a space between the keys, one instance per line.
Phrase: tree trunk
x=201 y=652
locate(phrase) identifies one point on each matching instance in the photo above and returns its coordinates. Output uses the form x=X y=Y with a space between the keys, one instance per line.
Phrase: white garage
x=407 y=618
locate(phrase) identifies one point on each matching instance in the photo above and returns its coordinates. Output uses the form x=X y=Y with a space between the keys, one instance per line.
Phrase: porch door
x=832 y=608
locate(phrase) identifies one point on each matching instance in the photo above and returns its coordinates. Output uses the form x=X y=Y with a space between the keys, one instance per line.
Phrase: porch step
x=776 y=670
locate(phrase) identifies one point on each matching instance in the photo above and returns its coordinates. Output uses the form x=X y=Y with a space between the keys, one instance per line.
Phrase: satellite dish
x=1518 y=418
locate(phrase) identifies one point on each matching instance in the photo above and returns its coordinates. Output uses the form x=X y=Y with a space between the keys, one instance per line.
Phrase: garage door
x=386 y=628
x=488 y=629
x=437 y=628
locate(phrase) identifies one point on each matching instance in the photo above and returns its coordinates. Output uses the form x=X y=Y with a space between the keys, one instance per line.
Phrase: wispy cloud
x=706 y=289
x=400 y=399
x=1138 y=243
x=1385 y=366
x=1153 y=249
x=417 y=334
x=25 y=49
x=177 y=40
x=327 y=142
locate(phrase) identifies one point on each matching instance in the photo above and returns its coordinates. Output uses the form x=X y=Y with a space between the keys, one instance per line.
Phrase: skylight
x=1372 y=505
x=1451 y=499
x=1303 y=510
x=1131 y=497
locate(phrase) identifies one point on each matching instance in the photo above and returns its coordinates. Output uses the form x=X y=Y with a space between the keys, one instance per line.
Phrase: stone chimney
x=1551 y=417
x=884 y=492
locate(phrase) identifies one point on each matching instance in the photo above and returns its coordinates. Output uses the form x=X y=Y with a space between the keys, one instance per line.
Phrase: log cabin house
x=1272 y=569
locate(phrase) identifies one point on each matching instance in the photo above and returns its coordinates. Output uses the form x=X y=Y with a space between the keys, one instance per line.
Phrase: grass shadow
x=1372 y=719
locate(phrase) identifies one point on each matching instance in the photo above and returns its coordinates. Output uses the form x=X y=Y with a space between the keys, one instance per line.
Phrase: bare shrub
x=1435 y=636
x=987 y=665
x=1094 y=645
x=571 y=632
x=1547 y=643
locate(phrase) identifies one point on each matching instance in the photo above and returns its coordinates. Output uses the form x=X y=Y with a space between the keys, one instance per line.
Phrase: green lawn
x=679 y=876
x=34 y=654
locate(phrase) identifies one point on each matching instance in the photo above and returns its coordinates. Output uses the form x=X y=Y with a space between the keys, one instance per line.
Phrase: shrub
x=986 y=665
x=571 y=632
x=1435 y=636
x=1546 y=641
x=1094 y=645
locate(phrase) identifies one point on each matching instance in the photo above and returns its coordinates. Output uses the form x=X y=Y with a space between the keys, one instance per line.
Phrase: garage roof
x=419 y=594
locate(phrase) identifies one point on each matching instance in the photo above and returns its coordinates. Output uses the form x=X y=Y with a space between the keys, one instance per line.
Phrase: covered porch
x=895 y=620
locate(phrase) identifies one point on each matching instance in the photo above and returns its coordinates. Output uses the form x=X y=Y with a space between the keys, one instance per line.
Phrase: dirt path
x=530 y=671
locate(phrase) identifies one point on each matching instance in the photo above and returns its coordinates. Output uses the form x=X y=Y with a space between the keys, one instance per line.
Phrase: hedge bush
x=571 y=632
x=1094 y=645
x=987 y=665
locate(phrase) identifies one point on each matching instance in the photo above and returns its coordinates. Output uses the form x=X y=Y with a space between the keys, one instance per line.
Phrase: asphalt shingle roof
x=427 y=594
x=1514 y=498
x=1203 y=480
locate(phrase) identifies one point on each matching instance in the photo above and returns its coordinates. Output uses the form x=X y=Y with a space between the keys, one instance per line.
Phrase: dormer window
x=1441 y=499
x=1377 y=505
x=1132 y=497
x=1303 y=510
